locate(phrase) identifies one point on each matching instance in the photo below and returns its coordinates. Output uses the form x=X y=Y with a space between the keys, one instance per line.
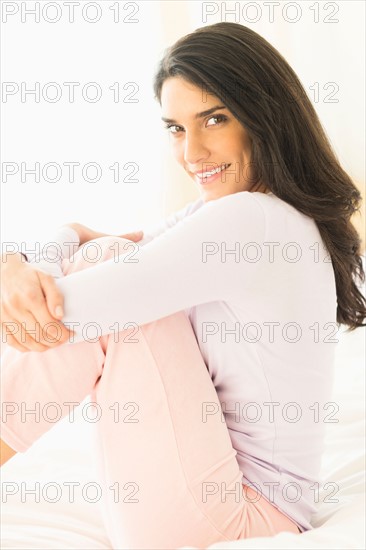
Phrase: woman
x=234 y=305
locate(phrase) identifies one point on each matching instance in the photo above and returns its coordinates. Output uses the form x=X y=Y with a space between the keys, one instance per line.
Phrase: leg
x=40 y=388
x=60 y=377
x=170 y=477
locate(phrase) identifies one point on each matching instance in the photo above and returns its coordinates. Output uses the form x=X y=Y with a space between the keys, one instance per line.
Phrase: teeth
x=207 y=174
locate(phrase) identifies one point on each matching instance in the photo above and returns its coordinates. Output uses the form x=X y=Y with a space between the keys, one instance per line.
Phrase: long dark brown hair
x=291 y=153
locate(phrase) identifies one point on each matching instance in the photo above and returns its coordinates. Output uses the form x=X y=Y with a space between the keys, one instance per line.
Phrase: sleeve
x=158 y=229
x=195 y=262
x=39 y=389
x=63 y=244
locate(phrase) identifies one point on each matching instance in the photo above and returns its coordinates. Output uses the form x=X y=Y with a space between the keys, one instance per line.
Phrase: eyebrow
x=198 y=115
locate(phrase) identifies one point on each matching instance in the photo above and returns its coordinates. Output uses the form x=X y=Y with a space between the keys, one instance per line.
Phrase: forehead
x=178 y=96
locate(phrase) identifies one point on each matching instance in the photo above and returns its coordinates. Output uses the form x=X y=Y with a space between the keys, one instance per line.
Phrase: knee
x=97 y=251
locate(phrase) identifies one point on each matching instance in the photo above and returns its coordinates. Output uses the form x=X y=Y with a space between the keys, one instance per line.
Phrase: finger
x=17 y=329
x=35 y=334
x=50 y=334
x=135 y=236
x=53 y=331
x=19 y=338
x=54 y=298
x=11 y=341
x=33 y=345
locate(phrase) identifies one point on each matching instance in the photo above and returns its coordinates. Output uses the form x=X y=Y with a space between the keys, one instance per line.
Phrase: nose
x=195 y=150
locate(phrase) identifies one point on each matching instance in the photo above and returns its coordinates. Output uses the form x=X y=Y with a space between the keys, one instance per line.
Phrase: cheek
x=246 y=145
x=242 y=149
x=234 y=143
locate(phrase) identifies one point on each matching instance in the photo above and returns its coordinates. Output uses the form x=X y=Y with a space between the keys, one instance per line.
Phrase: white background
x=323 y=41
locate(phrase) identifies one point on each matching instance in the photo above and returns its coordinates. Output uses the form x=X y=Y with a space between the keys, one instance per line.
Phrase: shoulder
x=230 y=203
x=241 y=208
x=257 y=214
x=234 y=201
x=281 y=215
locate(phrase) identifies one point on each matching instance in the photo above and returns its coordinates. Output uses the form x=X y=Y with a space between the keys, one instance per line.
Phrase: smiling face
x=207 y=140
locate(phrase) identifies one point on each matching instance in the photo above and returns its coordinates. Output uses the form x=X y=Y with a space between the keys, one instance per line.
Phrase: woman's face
x=205 y=136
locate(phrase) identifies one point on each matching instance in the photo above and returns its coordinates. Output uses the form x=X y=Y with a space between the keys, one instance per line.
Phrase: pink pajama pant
x=169 y=471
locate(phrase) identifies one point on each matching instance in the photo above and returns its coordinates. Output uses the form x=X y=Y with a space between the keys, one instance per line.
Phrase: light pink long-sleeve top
x=255 y=279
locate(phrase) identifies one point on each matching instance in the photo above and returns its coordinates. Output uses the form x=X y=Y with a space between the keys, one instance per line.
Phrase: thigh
x=169 y=447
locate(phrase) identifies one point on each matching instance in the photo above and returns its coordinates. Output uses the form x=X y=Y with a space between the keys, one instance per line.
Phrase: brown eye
x=219 y=118
x=169 y=126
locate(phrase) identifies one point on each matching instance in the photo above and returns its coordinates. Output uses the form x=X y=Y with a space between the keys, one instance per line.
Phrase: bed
x=63 y=456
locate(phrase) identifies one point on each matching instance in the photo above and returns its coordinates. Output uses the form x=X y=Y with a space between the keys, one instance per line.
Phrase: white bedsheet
x=77 y=525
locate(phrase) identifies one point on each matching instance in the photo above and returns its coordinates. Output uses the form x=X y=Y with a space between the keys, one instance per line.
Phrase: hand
x=27 y=298
x=86 y=234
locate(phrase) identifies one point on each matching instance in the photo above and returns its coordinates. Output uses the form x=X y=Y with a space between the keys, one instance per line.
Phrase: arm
x=63 y=244
x=159 y=228
x=169 y=273
x=29 y=293
x=70 y=236
x=64 y=375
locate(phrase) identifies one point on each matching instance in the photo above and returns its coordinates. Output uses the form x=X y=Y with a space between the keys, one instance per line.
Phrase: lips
x=208 y=176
